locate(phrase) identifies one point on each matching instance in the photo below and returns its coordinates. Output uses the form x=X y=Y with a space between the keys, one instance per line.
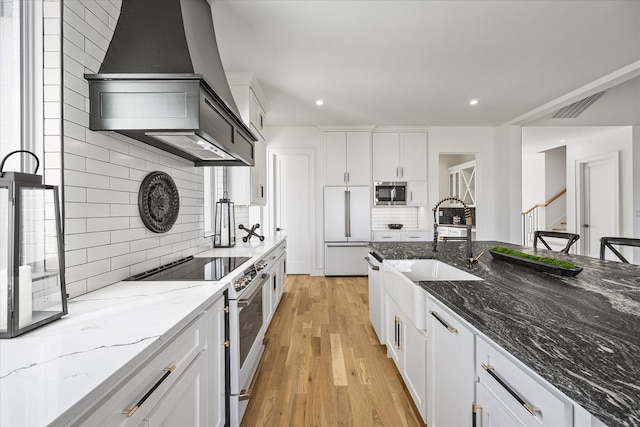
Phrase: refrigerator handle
x=347 y=213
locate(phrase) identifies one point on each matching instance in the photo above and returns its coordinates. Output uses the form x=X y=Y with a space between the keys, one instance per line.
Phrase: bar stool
x=539 y=234
x=607 y=242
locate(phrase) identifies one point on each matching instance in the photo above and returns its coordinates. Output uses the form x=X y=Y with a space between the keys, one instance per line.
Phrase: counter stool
x=539 y=234
x=607 y=242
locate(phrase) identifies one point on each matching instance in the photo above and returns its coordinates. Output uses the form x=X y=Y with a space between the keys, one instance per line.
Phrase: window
x=21 y=81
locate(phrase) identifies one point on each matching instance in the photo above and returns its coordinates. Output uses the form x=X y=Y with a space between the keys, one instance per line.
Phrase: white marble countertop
x=51 y=374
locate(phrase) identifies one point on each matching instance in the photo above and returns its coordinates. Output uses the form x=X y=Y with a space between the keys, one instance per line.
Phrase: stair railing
x=530 y=219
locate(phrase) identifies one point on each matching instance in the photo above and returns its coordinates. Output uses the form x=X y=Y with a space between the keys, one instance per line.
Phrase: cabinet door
x=386 y=157
x=258 y=116
x=216 y=363
x=185 y=404
x=414 y=364
x=259 y=174
x=417 y=193
x=450 y=369
x=413 y=161
x=493 y=412
x=358 y=166
x=335 y=157
x=394 y=324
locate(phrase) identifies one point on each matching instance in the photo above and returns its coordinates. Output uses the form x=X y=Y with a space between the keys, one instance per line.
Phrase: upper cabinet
x=347 y=158
x=400 y=156
x=462 y=182
x=248 y=185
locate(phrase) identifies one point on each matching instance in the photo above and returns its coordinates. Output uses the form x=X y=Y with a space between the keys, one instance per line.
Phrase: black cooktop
x=192 y=268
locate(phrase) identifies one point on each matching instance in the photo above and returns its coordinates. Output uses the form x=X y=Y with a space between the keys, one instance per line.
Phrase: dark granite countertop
x=582 y=334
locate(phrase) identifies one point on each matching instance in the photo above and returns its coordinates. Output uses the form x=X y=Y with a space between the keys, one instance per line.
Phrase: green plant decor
x=546 y=260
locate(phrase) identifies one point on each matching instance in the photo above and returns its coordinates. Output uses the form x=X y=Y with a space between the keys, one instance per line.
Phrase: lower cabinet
x=450 y=368
x=186 y=402
x=492 y=412
x=507 y=390
x=182 y=384
x=407 y=346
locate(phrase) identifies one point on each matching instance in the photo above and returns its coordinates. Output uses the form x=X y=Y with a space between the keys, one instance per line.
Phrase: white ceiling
x=420 y=62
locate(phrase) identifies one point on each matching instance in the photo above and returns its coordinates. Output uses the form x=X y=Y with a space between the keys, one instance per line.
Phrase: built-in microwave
x=390 y=193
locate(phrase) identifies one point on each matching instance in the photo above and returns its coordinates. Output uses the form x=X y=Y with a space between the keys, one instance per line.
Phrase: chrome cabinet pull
x=373 y=267
x=491 y=371
x=167 y=371
x=445 y=324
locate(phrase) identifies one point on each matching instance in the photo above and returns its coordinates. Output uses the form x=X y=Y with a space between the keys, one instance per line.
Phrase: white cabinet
x=181 y=384
x=247 y=185
x=407 y=346
x=415 y=236
x=417 y=193
x=186 y=402
x=347 y=158
x=509 y=390
x=462 y=182
x=400 y=156
x=273 y=288
x=450 y=368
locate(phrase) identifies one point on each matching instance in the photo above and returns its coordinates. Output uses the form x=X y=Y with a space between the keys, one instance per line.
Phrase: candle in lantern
x=25 y=287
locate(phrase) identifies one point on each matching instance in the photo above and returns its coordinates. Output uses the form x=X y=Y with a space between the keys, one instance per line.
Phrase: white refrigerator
x=347 y=230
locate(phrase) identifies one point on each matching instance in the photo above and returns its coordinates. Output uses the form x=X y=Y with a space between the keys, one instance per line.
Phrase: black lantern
x=32 y=286
x=224 y=226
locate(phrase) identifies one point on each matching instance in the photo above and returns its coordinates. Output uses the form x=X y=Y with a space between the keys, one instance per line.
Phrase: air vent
x=572 y=111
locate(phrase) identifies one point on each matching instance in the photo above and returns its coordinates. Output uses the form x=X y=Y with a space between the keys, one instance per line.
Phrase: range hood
x=162 y=83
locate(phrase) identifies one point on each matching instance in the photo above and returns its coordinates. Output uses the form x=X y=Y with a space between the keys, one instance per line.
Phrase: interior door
x=599 y=195
x=292 y=205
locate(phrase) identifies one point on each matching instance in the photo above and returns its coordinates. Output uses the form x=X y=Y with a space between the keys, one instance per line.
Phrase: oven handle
x=243 y=302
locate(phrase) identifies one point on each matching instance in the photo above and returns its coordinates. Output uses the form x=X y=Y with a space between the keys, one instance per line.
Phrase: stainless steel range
x=245 y=319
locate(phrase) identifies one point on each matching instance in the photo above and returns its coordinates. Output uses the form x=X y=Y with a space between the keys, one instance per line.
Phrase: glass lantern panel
x=5 y=248
x=39 y=284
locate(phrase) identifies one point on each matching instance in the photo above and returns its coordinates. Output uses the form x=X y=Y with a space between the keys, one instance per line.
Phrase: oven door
x=246 y=343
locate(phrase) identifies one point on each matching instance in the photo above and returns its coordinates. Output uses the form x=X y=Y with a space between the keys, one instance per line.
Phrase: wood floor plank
x=324 y=366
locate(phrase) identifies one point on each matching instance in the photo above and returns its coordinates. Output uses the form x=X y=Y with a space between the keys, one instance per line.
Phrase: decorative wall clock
x=158 y=202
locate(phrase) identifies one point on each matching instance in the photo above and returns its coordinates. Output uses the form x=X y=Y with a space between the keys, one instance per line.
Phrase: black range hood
x=162 y=83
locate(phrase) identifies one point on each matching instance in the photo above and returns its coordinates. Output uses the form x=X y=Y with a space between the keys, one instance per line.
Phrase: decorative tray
x=546 y=264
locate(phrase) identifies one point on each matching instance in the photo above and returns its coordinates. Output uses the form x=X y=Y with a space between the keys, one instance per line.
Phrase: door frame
x=272 y=154
x=614 y=158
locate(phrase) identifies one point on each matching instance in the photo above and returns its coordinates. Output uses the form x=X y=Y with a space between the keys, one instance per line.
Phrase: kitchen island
x=59 y=373
x=578 y=333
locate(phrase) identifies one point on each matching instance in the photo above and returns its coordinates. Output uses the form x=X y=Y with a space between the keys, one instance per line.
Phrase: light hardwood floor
x=323 y=365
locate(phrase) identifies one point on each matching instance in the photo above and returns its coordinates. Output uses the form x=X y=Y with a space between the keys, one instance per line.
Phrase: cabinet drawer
x=415 y=236
x=529 y=397
x=153 y=378
x=387 y=236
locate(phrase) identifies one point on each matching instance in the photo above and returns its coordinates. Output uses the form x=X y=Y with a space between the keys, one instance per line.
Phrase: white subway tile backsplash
x=84 y=179
x=86 y=240
x=127 y=235
x=107 y=224
x=51 y=25
x=159 y=252
x=86 y=210
x=143 y=153
x=52 y=127
x=107 y=251
x=75 y=225
x=121 y=184
x=98 y=10
x=73 y=130
x=73 y=11
x=142 y=244
x=128 y=259
x=108 y=169
x=81 y=148
x=75 y=289
x=76 y=116
x=107 y=196
x=75 y=194
x=380 y=217
x=73 y=162
x=51 y=93
x=101 y=27
x=77 y=257
x=52 y=60
x=51 y=9
x=127 y=160
x=124 y=210
x=105 y=279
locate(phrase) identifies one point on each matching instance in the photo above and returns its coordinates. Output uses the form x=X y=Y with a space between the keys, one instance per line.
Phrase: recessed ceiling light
x=319 y=102
x=473 y=102
x=563 y=140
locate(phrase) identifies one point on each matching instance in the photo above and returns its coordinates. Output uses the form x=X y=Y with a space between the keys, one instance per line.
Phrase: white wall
x=105 y=239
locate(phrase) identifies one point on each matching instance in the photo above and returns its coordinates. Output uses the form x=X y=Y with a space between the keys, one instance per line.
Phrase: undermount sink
x=418 y=270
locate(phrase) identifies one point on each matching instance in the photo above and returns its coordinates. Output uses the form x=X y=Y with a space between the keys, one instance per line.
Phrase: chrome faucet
x=467 y=216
